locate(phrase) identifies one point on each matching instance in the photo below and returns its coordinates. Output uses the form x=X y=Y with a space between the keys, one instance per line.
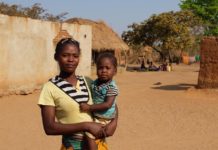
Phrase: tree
x=205 y=9
x=36 y=11
x=167 y=33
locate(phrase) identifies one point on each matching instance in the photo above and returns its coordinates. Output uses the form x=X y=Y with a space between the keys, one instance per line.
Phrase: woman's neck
x=66 y=75
x=69 y=77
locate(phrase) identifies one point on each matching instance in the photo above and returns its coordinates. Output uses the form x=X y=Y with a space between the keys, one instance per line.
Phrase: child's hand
x=84 y=107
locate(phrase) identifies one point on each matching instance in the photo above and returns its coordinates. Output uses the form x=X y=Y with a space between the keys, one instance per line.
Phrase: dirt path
x=156 y=112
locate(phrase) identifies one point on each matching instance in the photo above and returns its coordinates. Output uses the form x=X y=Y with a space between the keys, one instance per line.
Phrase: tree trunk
x=161 y=54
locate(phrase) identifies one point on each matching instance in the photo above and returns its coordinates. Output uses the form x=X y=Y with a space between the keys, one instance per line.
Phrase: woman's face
x=68 y=58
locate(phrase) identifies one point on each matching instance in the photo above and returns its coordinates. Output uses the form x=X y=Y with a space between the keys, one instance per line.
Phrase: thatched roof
x=103 y=37
x=147 y=49
x=60 y=35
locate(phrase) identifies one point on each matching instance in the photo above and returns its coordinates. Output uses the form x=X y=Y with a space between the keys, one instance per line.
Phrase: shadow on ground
x=181 y=86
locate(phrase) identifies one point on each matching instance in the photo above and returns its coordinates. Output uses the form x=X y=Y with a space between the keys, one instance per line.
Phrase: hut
x=145 y=53
x=62 y=34
x=103 y=39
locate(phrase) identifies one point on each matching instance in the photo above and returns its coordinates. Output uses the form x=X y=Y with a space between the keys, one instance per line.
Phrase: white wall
x=27 y=49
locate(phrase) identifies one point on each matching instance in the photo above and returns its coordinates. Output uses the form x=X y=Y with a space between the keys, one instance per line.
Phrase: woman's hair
x=62 y=43
x=109 y=56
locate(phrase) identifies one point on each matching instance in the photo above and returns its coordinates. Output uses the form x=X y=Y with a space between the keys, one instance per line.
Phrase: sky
x=116 y=13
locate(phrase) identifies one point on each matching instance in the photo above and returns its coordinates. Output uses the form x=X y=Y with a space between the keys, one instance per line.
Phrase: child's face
x=105 y=70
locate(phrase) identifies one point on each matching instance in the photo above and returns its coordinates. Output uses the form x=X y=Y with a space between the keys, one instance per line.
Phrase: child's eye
x=64 y=55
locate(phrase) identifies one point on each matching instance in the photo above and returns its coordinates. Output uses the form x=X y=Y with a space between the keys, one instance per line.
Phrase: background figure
x=143 y=65
x=152 y=67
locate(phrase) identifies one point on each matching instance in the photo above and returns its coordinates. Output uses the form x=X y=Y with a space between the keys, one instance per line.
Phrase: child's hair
x=109 y=56
x=62 y=43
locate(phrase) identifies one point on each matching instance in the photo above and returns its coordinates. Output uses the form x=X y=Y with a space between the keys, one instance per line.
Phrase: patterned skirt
x=71 y=144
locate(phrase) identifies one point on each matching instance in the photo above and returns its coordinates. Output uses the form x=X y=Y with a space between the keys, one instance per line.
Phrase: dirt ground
x=157 y=110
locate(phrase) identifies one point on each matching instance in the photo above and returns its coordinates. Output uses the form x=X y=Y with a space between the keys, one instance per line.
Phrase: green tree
x=168 y=33
x=36 y=11
x=205 y=9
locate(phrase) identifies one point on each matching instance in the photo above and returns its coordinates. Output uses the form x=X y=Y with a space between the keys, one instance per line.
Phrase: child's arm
x=109 y=100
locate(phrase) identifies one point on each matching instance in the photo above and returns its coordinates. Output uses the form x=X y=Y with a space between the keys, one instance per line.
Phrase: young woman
x=61 y=96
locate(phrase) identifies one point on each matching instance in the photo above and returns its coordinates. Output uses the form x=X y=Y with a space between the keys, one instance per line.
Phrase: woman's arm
x=52 y=127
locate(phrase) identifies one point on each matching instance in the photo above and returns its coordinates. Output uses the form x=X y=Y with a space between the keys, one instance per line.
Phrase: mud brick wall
x=27 y=52
x=208 y=75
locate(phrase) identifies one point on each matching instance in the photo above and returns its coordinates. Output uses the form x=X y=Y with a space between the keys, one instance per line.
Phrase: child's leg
x=91 y=145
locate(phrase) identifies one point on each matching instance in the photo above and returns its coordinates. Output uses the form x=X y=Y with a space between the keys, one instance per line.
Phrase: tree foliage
x=205 y=9
x=167 y=33
x=36 y=11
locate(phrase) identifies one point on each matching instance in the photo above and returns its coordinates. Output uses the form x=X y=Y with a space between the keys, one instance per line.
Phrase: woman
x=61 y=96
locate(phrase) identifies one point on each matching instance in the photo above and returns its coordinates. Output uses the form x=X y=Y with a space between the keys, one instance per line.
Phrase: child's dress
x=99 y=93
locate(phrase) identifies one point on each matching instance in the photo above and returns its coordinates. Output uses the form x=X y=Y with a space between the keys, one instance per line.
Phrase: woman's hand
x=96 y=129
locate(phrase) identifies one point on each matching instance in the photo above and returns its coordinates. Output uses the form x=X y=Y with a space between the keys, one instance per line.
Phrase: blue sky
x=116 y=13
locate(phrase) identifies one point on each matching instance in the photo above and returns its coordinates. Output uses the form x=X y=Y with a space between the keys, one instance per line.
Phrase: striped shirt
x=79 y=96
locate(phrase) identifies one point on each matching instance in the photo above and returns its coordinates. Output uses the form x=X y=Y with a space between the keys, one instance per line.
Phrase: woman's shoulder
x=49 y=84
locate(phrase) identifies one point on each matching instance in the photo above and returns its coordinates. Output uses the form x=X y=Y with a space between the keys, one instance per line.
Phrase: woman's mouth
x=70 y=66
